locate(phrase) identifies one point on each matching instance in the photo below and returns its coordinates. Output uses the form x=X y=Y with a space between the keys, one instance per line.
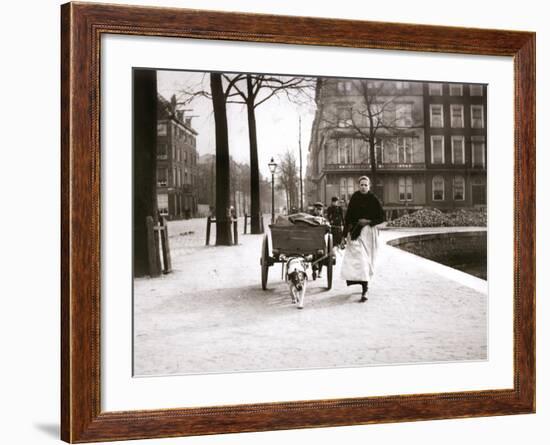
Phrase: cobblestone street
x=211 y=315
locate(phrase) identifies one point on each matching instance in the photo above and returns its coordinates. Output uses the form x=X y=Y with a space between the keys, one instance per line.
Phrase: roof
x=166 y=111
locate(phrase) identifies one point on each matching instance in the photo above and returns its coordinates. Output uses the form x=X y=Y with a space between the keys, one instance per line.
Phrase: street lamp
x=272 y=167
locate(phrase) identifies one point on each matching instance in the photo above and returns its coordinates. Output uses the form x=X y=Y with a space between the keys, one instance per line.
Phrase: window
x=321 y=160
x=438 y=188
x=438 y=150
x=478 y=152
x=389 y=151
x=457 y=149
x=347 y=86
x=404 y=150
x=477 y=116
x=436 y=116
x=458 y=188
x=347 y=187
x=388 y=114
x=479 y=191
x=455 y=89
x=457 y=116
x=344 y=117
x=405 y=188
x=374 y=84
x=378 y=151
x=435 y=89
x=162 y=203
x=343 y=188
x=403 y=115
x=401 y=85
x=344 y=86
x=345 y=151
x=162 y=151
x=360 y=151
x=377 y=113
x=162 y=130
x=476 y=90
x=162 y=177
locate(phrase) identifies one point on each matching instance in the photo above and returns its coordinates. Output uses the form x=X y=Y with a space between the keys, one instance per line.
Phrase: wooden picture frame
x=82 y=26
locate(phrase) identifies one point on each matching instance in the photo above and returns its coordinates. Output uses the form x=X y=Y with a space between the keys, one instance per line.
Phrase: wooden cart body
x=313 y=243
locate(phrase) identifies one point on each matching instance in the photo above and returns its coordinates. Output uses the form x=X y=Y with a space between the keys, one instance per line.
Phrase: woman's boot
x=364 y=293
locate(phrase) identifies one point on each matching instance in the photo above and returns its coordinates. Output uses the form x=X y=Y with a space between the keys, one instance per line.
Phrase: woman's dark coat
x=362 y=206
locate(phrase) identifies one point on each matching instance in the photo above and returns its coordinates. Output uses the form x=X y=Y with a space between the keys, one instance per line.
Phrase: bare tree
x=252 y=90
x=376 y=115
x=289 y=178
x=223 y=221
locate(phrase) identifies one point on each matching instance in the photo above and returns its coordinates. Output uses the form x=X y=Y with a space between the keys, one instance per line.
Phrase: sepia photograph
x=288 y=222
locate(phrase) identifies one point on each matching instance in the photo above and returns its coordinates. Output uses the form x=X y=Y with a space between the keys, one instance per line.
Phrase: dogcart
x=312 y=243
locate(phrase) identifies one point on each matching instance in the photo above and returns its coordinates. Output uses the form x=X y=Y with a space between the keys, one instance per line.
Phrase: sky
x=277 y=121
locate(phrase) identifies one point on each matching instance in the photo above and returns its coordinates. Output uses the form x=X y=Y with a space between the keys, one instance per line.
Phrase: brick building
x=456 y=133
x=176 y=163
x=428 y=139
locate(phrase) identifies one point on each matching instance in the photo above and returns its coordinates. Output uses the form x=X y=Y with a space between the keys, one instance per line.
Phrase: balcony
x=402 y=166
x=389 y=166
x=346 y=167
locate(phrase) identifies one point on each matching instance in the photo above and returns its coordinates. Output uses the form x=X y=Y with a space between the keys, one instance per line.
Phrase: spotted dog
x=296 y=278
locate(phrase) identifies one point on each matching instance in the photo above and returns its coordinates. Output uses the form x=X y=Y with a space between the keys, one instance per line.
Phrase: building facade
x=421 y=144
x=456 y=142
x=176 y=163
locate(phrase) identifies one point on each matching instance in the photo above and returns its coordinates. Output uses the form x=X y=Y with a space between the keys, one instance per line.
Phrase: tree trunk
x=254 y=168
x=373 y=181
x=223 y=224
x=145 y=163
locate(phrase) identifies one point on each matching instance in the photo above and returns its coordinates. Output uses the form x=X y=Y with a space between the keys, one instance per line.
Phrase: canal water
x=465 y=251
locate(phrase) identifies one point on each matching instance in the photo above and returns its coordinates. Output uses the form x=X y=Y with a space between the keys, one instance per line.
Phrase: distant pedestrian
x=360 y=234
x=318 y=214
x=335 y=216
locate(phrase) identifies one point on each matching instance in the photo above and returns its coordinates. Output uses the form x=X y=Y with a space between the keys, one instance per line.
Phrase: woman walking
x=361 y=236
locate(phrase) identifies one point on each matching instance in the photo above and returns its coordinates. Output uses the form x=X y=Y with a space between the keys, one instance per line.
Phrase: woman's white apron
x=360 y=255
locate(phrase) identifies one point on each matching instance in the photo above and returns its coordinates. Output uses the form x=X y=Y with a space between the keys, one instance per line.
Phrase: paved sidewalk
x=211 y=315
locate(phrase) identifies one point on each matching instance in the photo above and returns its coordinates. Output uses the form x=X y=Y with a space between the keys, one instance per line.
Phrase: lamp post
x=272 y=167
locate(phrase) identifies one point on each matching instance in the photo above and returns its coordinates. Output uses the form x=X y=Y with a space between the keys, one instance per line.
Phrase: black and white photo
x=306 y=222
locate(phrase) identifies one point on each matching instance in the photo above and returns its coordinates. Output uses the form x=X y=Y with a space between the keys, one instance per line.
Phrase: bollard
x=235 y=233
x=208 y=224
x=166 y=259
x=152 y=248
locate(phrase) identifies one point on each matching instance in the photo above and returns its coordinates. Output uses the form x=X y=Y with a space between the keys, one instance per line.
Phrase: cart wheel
x=329 y=262
x=264 y=261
